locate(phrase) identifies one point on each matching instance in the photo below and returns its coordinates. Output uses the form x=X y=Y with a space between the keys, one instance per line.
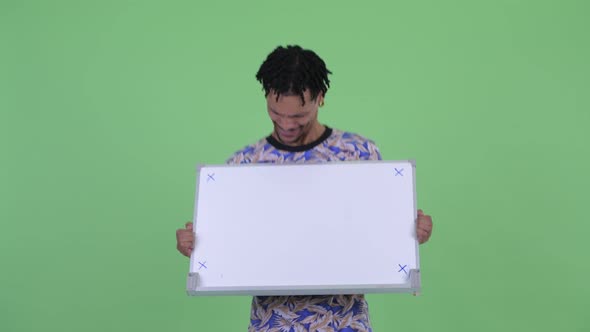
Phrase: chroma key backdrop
x=106 y=108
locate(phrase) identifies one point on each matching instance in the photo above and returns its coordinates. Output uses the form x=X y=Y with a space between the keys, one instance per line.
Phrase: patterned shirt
x=338 y=313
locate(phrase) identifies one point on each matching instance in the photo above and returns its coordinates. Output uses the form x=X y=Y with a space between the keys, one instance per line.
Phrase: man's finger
x=185 y=251
x=422 y=237
x=184 y=234
x=425 y=225
x=189 y=225
x=187 y=242
x=425 y=219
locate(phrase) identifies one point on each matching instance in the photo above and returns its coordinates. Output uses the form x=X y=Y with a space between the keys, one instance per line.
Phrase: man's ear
x=321 y=101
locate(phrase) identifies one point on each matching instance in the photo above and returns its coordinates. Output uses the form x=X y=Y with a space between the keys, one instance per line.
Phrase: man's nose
x=287 y=123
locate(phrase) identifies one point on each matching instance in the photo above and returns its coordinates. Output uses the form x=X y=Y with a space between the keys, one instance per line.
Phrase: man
x=295 y=82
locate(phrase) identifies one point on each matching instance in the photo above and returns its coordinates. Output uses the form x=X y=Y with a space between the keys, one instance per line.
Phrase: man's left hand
x=423 y=227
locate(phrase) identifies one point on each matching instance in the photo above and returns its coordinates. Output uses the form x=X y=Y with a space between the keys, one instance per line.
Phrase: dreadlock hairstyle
x=293 y=70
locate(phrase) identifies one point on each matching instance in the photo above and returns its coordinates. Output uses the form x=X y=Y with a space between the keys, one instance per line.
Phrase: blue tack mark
x=210 y=177
x=399 y=172
x=402 y=268
x=202 y=265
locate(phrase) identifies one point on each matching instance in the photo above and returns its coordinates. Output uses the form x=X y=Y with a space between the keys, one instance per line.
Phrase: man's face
x=292 y=121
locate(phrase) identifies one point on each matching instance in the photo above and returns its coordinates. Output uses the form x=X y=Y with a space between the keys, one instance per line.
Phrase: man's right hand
x=185 y=239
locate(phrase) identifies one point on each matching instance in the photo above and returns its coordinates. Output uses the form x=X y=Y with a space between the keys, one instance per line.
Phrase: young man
x=295 y=82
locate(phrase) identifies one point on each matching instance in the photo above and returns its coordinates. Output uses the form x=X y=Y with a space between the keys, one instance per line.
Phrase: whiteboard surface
x=294 y=229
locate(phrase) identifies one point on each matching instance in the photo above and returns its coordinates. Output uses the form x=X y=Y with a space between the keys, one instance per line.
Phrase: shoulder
x=249 y=152
x=350 y=143
x=350 y=137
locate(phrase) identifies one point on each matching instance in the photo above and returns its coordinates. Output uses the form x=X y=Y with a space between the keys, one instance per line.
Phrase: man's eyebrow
x=298 y=114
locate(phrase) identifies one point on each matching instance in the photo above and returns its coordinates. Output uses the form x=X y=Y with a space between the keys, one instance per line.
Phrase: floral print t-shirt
x=339 y=313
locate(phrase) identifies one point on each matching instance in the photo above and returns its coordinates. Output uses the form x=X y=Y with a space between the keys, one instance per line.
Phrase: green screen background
x=107 y=106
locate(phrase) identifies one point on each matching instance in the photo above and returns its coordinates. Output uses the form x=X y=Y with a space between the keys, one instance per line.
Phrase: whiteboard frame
x=412 y=285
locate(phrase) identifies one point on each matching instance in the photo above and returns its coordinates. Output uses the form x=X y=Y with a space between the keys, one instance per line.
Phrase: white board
x=305 y=229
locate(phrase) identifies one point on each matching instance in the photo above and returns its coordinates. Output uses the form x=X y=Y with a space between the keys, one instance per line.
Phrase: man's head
x=293 y=70
x=295 y=82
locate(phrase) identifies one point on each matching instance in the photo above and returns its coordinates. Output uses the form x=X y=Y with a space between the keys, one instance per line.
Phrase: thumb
x=189 y=225
x=420 y=212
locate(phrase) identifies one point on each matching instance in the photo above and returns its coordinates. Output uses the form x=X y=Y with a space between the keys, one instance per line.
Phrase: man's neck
x=315 y=133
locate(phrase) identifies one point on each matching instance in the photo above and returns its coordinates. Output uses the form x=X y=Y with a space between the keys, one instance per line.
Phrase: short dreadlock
x=292 y=70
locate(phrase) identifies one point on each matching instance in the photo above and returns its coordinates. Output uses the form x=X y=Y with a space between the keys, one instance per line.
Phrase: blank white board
x=305 y=229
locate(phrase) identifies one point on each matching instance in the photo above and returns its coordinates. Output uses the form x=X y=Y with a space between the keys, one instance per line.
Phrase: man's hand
x=185 y=239
x=423 y=227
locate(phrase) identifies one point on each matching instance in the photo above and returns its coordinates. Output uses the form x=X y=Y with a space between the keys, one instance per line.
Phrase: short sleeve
x=374 y=153
x=238 y=158
x=231 y=160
